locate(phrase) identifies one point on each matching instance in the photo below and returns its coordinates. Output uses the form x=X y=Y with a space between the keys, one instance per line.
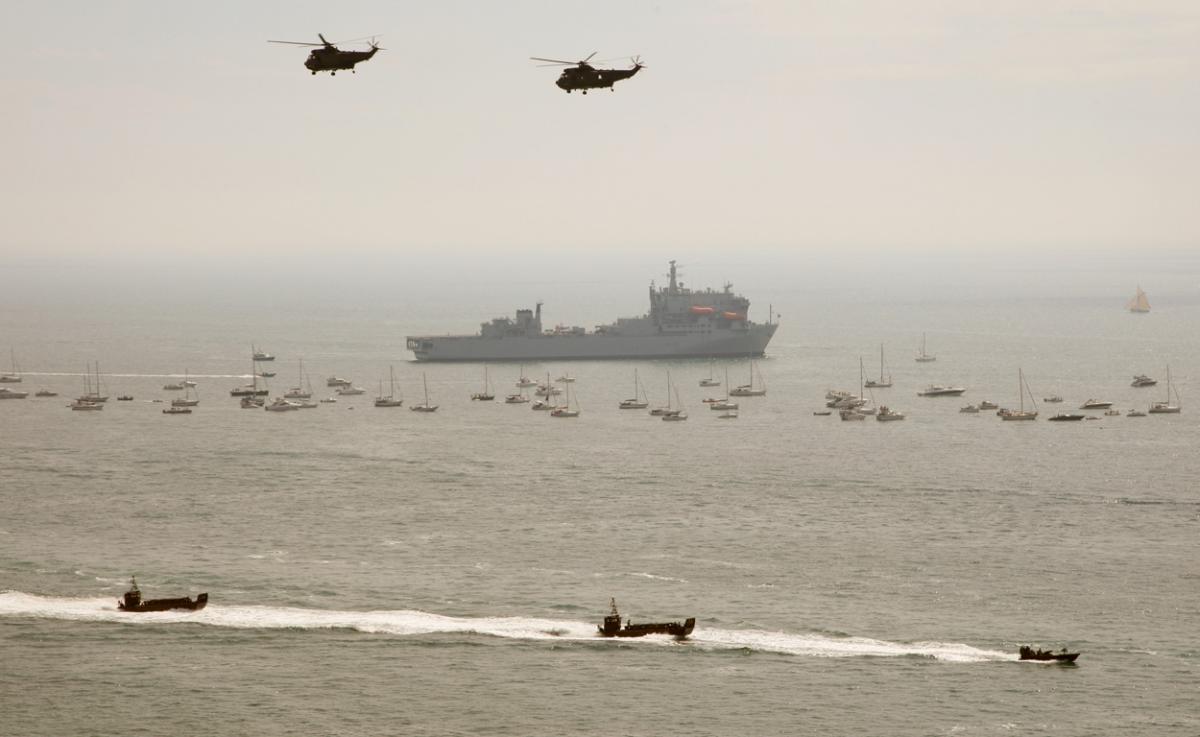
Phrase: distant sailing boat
x=566 y=410
x=710 y=381
x=1022 y=413
x=1166 y=408
x=924 y=357
x=725 y=404
x=389 y=400
x=15 y=376
x=675 y=415
x=662 y=411
x=639 y=400
x=1139 y=303
x=750 y=390
x=882 y=383
x=424 y=406
x=487 y=394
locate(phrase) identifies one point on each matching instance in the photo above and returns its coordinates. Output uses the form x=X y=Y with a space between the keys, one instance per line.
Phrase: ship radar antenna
x=613 y=603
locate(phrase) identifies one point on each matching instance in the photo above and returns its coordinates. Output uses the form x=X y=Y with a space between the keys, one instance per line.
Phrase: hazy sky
x=152 y=127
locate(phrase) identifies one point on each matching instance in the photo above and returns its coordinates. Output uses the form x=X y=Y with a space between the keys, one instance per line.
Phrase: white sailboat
x=424 y=406
x=924 y=357
x=882 y=383
x=854 y=411
x=567 y=410
x=15 y=376
x=298 y=391
x=1139 y=303
x=751 y=389
x=1022 y=413
x=546 y=391
x=663 y=411
x=189 y=398
x=710 y=381
x=486 y=395
x=389 y=400
x=639 y=400
x=96 y=395
x=725 y=405
x=678 y=414
x=1166 y=408
x=524 y=382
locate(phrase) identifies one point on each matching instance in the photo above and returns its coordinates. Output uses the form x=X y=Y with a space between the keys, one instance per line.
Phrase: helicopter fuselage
x=331 y=59
x=584 y=77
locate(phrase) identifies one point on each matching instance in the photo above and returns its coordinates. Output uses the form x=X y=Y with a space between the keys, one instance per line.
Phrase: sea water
x=380 y=571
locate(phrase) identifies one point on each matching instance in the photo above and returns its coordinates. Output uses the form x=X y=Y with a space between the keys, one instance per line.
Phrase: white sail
x=1139 y=303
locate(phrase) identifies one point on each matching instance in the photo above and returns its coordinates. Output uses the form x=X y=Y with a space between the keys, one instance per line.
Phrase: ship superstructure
x=681 y=323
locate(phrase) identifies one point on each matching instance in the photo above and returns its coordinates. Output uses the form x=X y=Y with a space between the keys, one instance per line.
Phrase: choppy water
x=378 y=571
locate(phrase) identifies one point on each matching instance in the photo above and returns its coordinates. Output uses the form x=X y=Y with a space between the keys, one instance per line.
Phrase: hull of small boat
x=165 y=605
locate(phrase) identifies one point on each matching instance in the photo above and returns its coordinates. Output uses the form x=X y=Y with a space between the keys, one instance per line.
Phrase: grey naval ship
x=682 y=323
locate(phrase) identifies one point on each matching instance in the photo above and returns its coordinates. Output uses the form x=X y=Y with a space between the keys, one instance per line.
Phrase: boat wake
x=408 y=622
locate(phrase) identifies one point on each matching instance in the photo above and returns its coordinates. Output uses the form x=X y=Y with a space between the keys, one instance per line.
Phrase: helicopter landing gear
x=314 y=73
x=585 y=92
x=333 y=74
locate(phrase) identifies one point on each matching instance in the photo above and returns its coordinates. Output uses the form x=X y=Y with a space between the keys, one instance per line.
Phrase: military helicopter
x=329 y=58
x=579 y=75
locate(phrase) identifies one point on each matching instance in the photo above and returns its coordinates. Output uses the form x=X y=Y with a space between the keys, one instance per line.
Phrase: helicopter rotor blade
x=552 y=61
x=293 y=43
x=355 y=40
x=589 y=57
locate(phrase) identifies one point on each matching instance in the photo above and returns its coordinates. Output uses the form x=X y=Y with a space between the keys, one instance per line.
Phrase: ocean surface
x=380 y=571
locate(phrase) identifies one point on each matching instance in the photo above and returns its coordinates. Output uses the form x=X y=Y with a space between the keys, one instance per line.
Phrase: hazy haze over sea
x=379 y=571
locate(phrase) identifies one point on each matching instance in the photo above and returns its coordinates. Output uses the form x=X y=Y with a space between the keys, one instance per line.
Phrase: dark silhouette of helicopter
x=579 y=75
x=329 y=58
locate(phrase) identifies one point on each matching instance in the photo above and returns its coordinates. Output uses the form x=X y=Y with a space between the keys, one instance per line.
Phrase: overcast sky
x=151 y=127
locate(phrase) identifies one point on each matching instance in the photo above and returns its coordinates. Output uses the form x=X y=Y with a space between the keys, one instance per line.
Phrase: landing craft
x=329 y=58
x=579 y=75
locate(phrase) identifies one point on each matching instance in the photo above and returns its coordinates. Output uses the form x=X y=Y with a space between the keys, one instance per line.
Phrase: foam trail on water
x=410 y=622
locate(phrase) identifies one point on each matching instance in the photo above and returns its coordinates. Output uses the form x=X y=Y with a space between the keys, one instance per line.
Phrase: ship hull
x=589 y=347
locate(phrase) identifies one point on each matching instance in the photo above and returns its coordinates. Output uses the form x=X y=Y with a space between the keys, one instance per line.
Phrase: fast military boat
x=133 y=601
x=612 y=626
x=681 y=323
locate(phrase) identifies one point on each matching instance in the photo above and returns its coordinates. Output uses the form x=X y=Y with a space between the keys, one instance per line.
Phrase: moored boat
x=1066 y=417
x=612 y=626
x=937 y=390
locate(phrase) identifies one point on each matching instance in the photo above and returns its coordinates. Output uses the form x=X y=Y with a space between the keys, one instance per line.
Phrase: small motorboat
x=125 y=398
x=1052 y=399
x=45 y=393
x=1112 y=413
x=985 y=404
x=887 y=414
x=1028 y=653
x=936 y=390
x=1095 y=404
x=612 y=626
x=1135 y=413
x=824 y=413
x=970 y=409
x=133 y=602
x=1066 y=417
x=1141 y=380
x=177 y=410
